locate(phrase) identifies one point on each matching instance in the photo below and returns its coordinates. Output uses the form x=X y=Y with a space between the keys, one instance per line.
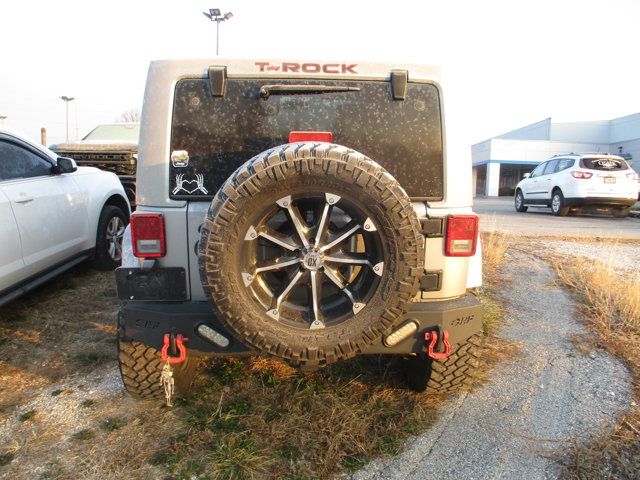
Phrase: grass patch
x=612 y=307
x=93 y=358
x=238 y=457
x=82 y=435
x=494 y=249
x=6 y=458
x=113 y=423
x=276 y=422
x=87 y=403
x=27 y=415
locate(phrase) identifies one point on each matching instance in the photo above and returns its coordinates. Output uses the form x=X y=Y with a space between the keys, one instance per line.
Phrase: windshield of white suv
x=125 y=132
x=604 y=163
x=221 y=133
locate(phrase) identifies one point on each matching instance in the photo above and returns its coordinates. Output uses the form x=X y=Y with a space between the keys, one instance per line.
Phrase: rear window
x=220 y=134
x=604 y=163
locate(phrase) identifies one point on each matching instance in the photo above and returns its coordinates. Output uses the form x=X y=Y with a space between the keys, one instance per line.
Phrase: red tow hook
x=432 y=339
x=179 y=345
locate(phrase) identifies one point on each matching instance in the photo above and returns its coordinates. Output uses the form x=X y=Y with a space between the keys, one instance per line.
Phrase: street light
x=2 y=117
x=215 y=16
x=66 y=102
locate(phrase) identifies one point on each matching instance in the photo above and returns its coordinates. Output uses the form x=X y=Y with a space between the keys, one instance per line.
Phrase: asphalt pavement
x=498 y=213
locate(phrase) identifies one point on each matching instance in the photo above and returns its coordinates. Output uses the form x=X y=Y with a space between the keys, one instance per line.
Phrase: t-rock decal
x=293 y=67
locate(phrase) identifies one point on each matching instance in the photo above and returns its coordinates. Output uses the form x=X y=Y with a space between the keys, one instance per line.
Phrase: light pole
x=66 y=101
x=2 y=117
x=215 y=16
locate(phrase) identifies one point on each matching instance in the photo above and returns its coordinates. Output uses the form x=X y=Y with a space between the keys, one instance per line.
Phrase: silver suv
x=300 y=210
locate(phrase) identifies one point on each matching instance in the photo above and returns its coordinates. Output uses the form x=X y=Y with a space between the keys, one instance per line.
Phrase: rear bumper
x=599 y=202
x=148 y=322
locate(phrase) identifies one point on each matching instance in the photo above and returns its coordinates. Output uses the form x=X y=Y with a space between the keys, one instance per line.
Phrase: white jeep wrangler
x=306 y=211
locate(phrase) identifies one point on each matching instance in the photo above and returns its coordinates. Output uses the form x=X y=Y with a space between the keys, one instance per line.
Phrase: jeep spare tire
x=311 y=252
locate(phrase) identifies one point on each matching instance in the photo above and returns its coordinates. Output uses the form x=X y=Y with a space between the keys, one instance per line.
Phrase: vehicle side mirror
x=526 y=175
x=65 y=165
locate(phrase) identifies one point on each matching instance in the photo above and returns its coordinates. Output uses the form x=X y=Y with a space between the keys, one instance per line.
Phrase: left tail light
x=462 y=236
x=147 y=235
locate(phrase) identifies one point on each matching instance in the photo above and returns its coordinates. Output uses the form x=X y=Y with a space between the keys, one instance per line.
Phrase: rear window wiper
x=268 y=90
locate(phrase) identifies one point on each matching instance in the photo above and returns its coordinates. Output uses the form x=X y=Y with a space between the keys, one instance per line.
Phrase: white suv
x=54 y=215
x=576 y=181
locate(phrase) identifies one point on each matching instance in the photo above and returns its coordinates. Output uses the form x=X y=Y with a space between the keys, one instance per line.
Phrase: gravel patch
x=624 y=256
x=547 y=398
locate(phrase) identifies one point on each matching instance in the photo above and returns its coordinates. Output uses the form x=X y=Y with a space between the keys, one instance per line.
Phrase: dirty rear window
x=605 y=163
x=220 y=134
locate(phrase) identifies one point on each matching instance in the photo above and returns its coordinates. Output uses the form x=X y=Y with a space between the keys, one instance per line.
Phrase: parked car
x=579 y=181
x=54 y=215
x=311 y=216
x=112 y=147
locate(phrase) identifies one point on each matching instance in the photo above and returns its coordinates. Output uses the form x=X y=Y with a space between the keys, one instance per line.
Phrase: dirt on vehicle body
x=323 y=220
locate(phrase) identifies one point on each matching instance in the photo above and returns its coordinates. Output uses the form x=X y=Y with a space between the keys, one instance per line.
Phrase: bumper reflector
x=402 y=332
x=213 y=336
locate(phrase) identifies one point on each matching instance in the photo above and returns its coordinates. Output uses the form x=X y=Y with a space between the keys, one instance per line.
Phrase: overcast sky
x=506 y=63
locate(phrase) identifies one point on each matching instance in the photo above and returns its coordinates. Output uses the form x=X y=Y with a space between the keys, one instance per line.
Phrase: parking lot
x=498 y=213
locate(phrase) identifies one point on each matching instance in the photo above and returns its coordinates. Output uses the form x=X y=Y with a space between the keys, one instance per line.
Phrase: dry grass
x=494 y=249
x=259 y=418
x=612 y=306
x=63 y=413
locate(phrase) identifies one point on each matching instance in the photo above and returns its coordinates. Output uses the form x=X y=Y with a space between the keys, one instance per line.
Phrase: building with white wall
x=500 y=162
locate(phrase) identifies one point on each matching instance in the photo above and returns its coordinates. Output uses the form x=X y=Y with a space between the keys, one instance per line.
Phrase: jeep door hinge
x=218 y=81
x=399 y=83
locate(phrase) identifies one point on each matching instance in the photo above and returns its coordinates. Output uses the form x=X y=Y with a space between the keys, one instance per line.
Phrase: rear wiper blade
x=267 y=90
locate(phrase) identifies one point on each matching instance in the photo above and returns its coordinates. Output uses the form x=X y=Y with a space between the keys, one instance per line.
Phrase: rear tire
x=108 y=252
x=558 y=207
x=445 y=376
x=141 y=366
x=519 y=202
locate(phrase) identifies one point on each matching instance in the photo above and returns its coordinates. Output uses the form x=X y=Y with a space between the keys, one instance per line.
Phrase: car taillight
x=310 y=137
x=633 y=176
x=147 y=235
x=462 y=235
x=580 y=174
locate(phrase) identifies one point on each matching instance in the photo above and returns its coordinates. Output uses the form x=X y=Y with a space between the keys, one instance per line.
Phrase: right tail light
x=461 y=236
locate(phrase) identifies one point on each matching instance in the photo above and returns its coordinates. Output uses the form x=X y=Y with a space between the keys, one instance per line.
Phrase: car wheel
x=558 y=207
x=621 y=212
x=311 y=252
x=519 y=202
x=111 y=226
x=449 y=375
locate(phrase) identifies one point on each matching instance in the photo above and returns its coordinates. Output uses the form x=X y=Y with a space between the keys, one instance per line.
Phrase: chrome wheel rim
x=518 y=200
x=113 y=237
x=555 y=203
x=313 y=260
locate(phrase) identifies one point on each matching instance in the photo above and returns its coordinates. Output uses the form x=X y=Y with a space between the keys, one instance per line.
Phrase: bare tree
x=132 y=115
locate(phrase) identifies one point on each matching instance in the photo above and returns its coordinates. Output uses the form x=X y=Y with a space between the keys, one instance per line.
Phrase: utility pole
x=215 y=16
x=2 y=117
x=66 y=101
